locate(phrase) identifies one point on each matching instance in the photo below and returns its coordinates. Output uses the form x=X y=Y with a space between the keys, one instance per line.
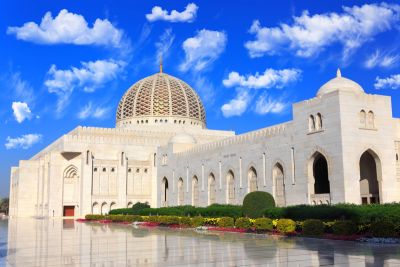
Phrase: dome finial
x=338 y=73
x=161 y=67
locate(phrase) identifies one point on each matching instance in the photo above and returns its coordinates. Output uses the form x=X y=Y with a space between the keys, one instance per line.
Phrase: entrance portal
x=69 y=211
x=369 y=186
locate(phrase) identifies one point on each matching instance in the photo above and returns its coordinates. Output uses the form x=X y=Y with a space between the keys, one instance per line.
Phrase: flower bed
x=338 y=230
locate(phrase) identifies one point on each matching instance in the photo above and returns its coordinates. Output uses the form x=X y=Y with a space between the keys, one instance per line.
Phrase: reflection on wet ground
x=30 y=242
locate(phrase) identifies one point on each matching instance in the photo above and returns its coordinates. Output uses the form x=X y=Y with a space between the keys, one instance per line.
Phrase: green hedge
x=214 y=210
x=344 y=228
x=263 y=224
x=243 y=223
x=313 y=227
x=361 y=214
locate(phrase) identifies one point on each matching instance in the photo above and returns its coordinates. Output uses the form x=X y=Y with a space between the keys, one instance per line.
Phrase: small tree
x=4 y=205
x=255 y=203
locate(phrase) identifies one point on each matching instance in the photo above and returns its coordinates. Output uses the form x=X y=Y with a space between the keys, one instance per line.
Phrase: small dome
x=183 y=138
x=340 y=83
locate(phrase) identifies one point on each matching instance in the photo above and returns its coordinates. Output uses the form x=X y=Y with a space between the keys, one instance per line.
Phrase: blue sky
x=67 y=63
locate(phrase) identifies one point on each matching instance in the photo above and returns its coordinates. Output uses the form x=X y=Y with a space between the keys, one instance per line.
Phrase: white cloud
x=203 y=49
x=265 y=105
x=380 y=59
x=270 y=78
x=311 y=34
x=24 y=141
x=236 y=106
x=89 y=111
x=20 y=88
x=69 y=28
x=188 y=15
x=21 y=111
x=392 y=82
x=164 y=44
x=91 y=76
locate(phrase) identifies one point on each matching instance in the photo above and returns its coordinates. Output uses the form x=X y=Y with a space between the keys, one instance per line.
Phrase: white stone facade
x=341 y=146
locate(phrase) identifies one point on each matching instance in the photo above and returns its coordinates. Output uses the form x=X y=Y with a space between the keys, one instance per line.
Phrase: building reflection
x=70 y=243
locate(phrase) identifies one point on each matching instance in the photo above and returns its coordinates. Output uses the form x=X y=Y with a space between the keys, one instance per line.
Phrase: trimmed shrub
x=140 y=206
x=226 y=222
x=197 y=221
x=286 y=226
x=383 y=229
x=344 y=228
x=263 y=224
x=94 y=217
x=313 y=227
x=168 y=220
x=243 y=223
x=185 y=221
x=255 y=203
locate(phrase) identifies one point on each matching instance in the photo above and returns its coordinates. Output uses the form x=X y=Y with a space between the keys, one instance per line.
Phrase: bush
x=286 y=226
x=185 y=221
x=383 y=229
x=140 y=206
x=263 y=224
x=94 y=217
x=243 y=223
x=225 y=222
x=313 y=227
x=168 y=220
x=344 y=228
x=197 y=221
x=255 y=203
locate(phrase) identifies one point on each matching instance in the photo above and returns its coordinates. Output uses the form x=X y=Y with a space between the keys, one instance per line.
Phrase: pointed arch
x=104 y=208
x=311 y=123
x=318 y=123
x=95 y=208
x=252 y=179
x=278 y=177
x=363 y=118
x=371 y=120
x=181 y=192
x=195 y=191
x=164 y=192
x=370 y=177
x=71 y=172
x=230 y=180
x=212 y=189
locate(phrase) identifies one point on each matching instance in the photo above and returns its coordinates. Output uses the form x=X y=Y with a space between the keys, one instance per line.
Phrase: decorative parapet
x=320 y=199
x=238 y=139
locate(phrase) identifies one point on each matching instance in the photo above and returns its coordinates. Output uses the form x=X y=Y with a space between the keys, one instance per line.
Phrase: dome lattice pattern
x=160 y=96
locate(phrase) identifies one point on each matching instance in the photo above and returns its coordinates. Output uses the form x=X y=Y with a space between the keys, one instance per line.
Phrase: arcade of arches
x=320 y=188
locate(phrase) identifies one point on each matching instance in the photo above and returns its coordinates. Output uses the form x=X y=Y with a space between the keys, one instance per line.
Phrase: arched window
x=230 y=179
x=362 y=116
x=195 y=191
x=311 y=123
x=87 y=157
x=278 y=176
x=319 y=122
x=212 y=192
x=371 y=120
x=252 y=178
x=164 y=191
x=180 y=192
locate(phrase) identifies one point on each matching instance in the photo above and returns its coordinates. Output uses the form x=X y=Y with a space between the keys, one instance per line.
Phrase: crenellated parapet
x=249 y=137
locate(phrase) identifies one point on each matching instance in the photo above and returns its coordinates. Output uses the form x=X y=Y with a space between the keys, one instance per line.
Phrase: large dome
x=340 y=83
x=160 y=99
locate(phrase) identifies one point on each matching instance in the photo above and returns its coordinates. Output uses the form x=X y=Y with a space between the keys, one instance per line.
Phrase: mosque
x=343 y=145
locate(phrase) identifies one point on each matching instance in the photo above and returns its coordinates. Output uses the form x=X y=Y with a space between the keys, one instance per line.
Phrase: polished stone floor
x=31 y=242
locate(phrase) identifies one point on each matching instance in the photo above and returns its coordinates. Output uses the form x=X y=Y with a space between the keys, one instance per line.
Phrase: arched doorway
x=195 y=191
x=180 y=192
x=212 y=192
x=370 y=175
x=104 y=209
x=320 y=174
x=129 y=205
x=96 y=208
x=279 y=181
x=252 y=178
x=164 y=192
x=230 y=180
x=113 y=206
